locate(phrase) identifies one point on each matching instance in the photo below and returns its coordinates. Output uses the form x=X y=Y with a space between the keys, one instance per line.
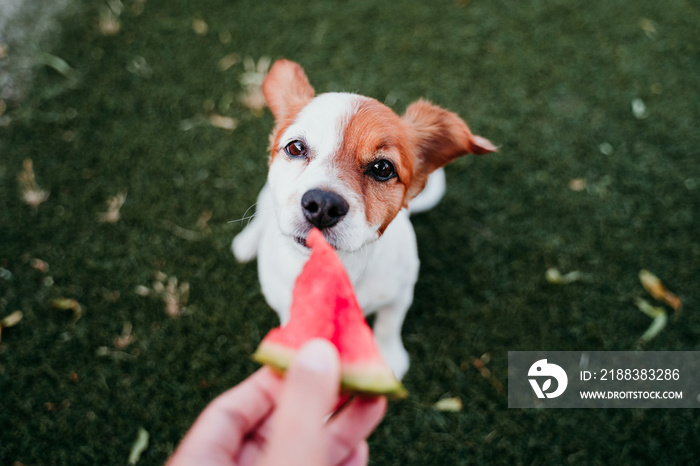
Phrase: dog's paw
x=244 y=247
x=397 y=358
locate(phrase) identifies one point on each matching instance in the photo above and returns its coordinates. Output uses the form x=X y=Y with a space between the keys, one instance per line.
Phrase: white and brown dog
x=351 y=167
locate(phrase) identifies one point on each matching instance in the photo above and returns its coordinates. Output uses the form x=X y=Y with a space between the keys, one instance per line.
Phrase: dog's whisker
x=243 y=219
x=246 y=216
x=253 y=206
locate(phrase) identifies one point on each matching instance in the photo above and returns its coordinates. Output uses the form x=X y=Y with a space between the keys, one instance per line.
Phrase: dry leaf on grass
x=658 y=323
x=38 y=264
x=229 y=61
x=68 y=304
x=223 y=122
x=139 y=446
x=656 y=288
x=109 y=22
x=126 y=338
x=10 y=321
x=203 y=221
x=191 y=235
x=555 y=277
x=200 y=27
x=214 y=119
x=109 y=17
x=32 y=194
x=449 y=405
x=648 y=27
x=183 y=233
x=173 y=293
x=606 y=148
x=114 y=205
x=639 y=109
x=252 y=80
x=577 y=184
x=140 y=67
x=59 y=65
x=104 y=352
x=480 y=365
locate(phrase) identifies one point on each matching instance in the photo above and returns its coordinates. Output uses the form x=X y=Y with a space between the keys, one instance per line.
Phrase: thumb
x=310 y=393
x=312 y=381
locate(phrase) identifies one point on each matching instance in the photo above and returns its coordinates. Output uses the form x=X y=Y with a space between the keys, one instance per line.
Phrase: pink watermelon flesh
x=324 y=306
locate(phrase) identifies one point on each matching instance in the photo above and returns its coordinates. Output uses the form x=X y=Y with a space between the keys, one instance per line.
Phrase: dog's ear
x=438 y=137
x=286 y=89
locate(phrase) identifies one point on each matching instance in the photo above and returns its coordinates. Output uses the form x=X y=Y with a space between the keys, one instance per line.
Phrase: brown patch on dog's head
x=374 y=133
x=424 y=139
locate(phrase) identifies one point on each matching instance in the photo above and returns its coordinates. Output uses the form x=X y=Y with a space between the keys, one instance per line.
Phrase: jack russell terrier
x=351 y=167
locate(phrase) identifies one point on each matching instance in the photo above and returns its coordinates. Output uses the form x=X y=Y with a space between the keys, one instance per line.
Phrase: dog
x=351 y=167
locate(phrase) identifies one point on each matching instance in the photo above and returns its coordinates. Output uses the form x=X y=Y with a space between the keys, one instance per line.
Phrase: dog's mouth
x=301 y=240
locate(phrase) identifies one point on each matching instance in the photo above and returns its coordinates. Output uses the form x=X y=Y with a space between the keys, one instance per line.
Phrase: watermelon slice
x=324 y=306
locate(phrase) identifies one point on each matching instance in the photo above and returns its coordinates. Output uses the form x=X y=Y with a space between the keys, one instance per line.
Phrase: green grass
x=548 y=82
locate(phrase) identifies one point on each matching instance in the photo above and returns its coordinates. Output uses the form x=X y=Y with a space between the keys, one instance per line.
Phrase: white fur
x=320 y=125
x=383 y=273
x=431 y=194
x=383 y=269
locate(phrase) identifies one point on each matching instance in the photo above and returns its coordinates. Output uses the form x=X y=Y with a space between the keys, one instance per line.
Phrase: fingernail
x=319 y=356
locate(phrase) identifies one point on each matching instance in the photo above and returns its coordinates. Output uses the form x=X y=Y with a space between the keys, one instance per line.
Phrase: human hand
x=269 y=420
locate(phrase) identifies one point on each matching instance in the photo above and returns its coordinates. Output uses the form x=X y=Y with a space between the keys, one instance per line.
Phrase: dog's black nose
x=323 y=209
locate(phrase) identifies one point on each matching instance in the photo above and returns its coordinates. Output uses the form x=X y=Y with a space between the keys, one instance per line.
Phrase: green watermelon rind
x=360 y=379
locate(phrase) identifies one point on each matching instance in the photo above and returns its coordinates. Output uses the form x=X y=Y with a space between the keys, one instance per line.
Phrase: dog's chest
x=382 y=272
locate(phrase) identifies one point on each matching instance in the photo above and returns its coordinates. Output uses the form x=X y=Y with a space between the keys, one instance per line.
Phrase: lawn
x=128 y=165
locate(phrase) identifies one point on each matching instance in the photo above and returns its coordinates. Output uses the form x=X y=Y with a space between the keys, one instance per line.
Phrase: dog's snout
x=323 y=209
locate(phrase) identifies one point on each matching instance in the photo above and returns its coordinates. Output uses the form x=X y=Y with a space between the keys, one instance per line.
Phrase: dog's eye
x=381 y=170
x=296 y=149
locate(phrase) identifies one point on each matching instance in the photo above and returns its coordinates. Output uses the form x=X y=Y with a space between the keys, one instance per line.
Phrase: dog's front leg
x=245 y=245
x=387 y=333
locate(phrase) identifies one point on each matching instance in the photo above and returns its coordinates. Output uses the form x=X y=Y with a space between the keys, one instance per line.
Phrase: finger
x=310 y=392
x=216 y=435
x=311 y=384
x=353 y=425
x=359 y=457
